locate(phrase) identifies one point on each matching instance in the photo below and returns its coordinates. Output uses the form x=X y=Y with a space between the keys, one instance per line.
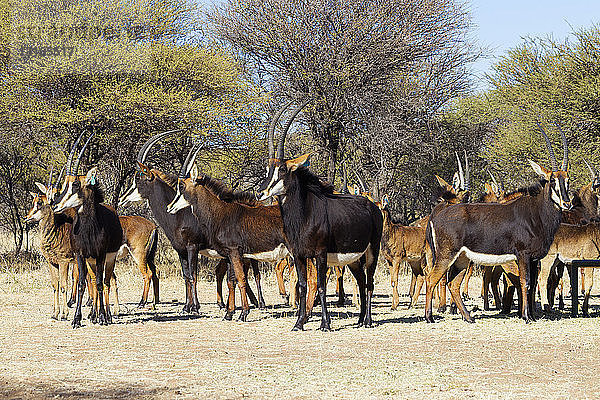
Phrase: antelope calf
x=55 y=245
x=402 y=243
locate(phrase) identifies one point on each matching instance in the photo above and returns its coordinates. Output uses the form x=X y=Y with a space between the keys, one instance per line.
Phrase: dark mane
x=98 y=193
x=314 y=184
x=532 y=190
x=227 y=195
x=169 y=179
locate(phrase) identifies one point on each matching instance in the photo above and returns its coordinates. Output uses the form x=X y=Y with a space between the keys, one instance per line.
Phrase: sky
x=501 y=24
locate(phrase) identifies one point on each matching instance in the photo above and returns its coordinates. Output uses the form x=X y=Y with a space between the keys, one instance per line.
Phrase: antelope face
x=559 y=185
x=35 y=213
x=140 y=187
x=179 y=202
x=278 y=175
x=75 y=190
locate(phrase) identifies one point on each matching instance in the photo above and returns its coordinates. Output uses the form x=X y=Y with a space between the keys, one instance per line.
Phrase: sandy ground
x=164 y=354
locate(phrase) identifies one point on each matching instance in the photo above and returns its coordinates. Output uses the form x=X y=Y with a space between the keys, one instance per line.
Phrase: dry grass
x=163 y=354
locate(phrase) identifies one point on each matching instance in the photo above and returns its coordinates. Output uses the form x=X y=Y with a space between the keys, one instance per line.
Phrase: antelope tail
x=430 y=238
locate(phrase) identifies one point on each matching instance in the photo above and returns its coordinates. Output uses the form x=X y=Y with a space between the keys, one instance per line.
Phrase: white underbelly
x=486 y=259
x=210 y=253
x=339 y=259
x=270 y=256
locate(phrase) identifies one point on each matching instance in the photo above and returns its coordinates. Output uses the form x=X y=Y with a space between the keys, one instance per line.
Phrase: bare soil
x=165 y=354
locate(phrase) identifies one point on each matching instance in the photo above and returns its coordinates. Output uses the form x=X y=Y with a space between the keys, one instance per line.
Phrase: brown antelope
x=402 y=243
x=185 y=234
x=492 y=234
x=238 y=226
x=55 y=245
x=96 y=236
x=572 y=242
x=332 y=229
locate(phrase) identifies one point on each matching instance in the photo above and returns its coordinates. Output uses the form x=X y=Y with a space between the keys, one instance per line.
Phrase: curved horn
x=592 y=172
x=49 y=185
x=467 y=172
x=549 y=146
x=461 y=175
x=76 y=168
x=145 y=149
x=493 y=178
x=360 y=181
x=565 y=162
x=286 y=128
x=72 y=152
x=189 y=160
x=271 y=131
x=61 y=174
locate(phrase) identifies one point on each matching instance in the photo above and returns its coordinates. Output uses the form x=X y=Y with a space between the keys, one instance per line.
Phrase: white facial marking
x=278 y=189
x=179 y=203
x=70 y=200
x=133 y=196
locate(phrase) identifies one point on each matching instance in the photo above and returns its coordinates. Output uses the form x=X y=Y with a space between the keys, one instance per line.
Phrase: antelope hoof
x=228 y=316
x=76 y=322
x=547 y=308
x=261 y=304
x=325 y=327
x=63 y=317
x=102 y=320
x=286 y=298
x=243 y=315
x=442 y=309
x=70 y=303
x=298 y=327
x=221 y=305
x=88 y=303
x=453 y=309
x=469 y=319
x=141 y=304
x=466 y=297
x=561 y=304
x=54 y=317
x=368 y=323
x=429 y=319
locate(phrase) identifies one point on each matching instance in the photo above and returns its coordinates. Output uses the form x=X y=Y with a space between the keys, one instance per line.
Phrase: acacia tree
x=366 y=64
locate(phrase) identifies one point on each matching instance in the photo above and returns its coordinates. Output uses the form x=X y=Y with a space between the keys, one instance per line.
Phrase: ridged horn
x=189 y=160
x=145 y=149
x=461 y=175
x=273 y=125
x=72 y=152
x=76 y=167
x=565 y=161
x=549 y=146
x=467 y=172
x=592 y=172
x=286 y=128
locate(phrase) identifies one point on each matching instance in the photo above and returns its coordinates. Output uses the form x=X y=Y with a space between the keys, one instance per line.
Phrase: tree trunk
x=332 y=134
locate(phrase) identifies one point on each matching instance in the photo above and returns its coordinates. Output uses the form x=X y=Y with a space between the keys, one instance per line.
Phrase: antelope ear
x=385 y=200
x=34 y=195
x=42 y=188
x=144 y=169
x=538 y=169
x=495 y=188
x=488 y=188
x=443 y=183
x=194 y=172
x=354 y=190
x=302 y=161
x=91 y=176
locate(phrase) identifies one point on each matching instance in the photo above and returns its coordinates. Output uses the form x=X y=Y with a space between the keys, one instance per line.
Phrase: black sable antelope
x=186 y=235
x=492 y=234
x=96 y=236
x=237 y=226
x=333 y=229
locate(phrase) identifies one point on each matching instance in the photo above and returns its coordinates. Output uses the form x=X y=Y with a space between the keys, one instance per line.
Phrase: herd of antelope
x=296 y=219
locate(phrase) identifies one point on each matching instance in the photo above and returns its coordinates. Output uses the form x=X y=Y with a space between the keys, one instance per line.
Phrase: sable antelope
x=402 y=243
x=491 y=234
x=185 y=234
x=333 y=229
x=571 y=242
x=237 y=225
x=96 y=236
x=140 y=238
x=55 y=245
